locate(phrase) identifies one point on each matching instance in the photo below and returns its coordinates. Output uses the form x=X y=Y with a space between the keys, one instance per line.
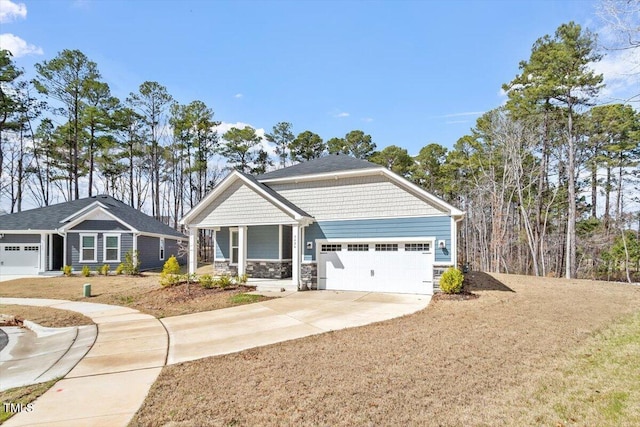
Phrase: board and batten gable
x=438 y=227
x=100 y=225
x=370 y=196
x=239 y=205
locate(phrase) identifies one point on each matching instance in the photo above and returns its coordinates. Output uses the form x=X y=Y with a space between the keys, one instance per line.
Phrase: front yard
x=142 y=293
x=529 y=351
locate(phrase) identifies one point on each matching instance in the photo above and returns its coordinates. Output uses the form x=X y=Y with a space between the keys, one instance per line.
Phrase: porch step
x=275 y=286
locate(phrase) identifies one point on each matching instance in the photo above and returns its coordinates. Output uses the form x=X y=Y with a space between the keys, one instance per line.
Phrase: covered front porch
x=269 y=254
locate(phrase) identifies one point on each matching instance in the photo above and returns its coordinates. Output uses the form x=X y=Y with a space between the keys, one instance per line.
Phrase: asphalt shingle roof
x=49 y=217
x=326 y=164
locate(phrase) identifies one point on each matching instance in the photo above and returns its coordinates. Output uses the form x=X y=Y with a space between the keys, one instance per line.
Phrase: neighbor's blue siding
x=73 y=251
x=222 y=243
x=99 y=225
x=21 y=238
x=438 y=227
x=262 y=242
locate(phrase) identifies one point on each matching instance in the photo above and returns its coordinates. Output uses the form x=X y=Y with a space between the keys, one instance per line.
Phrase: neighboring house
x=93 y=231
x=331 y=223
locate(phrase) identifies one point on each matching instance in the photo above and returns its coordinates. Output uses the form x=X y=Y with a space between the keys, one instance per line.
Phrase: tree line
x=545 y=180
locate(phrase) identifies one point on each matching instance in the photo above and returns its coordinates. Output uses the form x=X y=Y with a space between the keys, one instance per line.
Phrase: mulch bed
x=10 y=320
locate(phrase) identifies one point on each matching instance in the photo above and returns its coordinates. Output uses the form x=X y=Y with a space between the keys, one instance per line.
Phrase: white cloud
x=367 y=119
x=621 y=71
x=470 y=113
x=17 y=46
x=9 y=11
x=341 y=114
x=238 y=95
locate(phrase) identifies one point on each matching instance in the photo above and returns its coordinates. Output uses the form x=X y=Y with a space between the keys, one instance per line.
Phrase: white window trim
x=104 y=247
x=233 y=230
x=95 y=248
x=161 y=249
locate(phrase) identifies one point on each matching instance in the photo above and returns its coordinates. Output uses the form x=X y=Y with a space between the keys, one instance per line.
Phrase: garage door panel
x=19 y=258
x=389 y=269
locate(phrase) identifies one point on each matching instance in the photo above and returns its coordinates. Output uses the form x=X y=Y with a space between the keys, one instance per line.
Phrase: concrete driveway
x=296 y=315
x=110 y=383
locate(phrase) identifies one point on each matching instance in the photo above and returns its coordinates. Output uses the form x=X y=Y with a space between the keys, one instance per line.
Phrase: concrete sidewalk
x=108 y=386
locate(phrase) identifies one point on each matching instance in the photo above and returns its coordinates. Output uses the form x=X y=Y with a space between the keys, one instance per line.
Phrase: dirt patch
x=43 y=316
x=142 y=293
x=453 y=363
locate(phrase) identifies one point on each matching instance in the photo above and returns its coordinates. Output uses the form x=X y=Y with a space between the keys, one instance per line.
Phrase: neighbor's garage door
x=19 y=258
x=376 y=267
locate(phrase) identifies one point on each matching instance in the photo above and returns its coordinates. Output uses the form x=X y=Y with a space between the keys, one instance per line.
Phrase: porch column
x=193 y=253
x=50 y=252
x=242 y=250
x=43 y=253
x=64 y=249
x=295 y=255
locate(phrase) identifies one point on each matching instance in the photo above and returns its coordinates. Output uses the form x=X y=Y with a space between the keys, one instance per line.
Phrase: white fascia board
x=165 y=236
x=81 y=211
x=101 y=209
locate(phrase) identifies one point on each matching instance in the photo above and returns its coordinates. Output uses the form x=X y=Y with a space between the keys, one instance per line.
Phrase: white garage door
x=19 y=258
x=401 y=267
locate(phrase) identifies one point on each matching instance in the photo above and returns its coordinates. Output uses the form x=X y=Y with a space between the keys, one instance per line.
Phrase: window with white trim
x=111 y=248
x=88 y=248
x=233 y=242
x=358 y=247
x=417 y=247
x=161 y=248
x=386 y=247
x=330 y=248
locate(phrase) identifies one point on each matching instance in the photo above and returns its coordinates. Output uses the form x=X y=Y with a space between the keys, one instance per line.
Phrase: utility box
x=86 y=290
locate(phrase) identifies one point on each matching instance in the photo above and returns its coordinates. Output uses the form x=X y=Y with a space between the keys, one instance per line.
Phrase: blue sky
x=407 y=72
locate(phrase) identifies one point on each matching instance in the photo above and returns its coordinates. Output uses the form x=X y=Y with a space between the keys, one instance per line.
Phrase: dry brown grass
x=142 y=293
x=470 y=362
x=45 y=316
x=21 y=396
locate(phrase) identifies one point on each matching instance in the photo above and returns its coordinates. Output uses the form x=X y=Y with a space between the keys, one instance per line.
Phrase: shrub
x=206 y=281
x=167 y=280
x=120 y=269
x=224 y=281
x=451 y=281
x=242 y=279
x=104 y=270
x=66 y=270
x=86 y=271
x=131 y=264
x=171 y=266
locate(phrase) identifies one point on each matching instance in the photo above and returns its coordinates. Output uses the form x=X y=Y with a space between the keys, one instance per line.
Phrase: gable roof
x=54 y=217
x=326 y=164
x=266 y=192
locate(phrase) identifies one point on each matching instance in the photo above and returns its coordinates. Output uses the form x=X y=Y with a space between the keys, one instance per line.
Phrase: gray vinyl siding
x=99 y=225
x=172 y=247
x=438 y=227
x=222 y=243
x=262 y=242
x=20 y=238
x=73 y=251
x=286 y=242
x=149 y=252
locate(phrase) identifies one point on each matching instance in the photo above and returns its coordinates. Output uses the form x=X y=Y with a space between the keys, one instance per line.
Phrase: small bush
x=104 y=270
x=224 y=281
x=120 y=269
x=206 y=281
x=168 y=279
x=242 y=279
x=451 y=281
x=171 y=266
x=131 y=264
x=86 y=271
x=66 y=270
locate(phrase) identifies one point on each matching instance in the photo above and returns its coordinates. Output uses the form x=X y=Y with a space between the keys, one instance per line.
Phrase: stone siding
x=309 y=276
x=257 y=269
x=269 y=269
